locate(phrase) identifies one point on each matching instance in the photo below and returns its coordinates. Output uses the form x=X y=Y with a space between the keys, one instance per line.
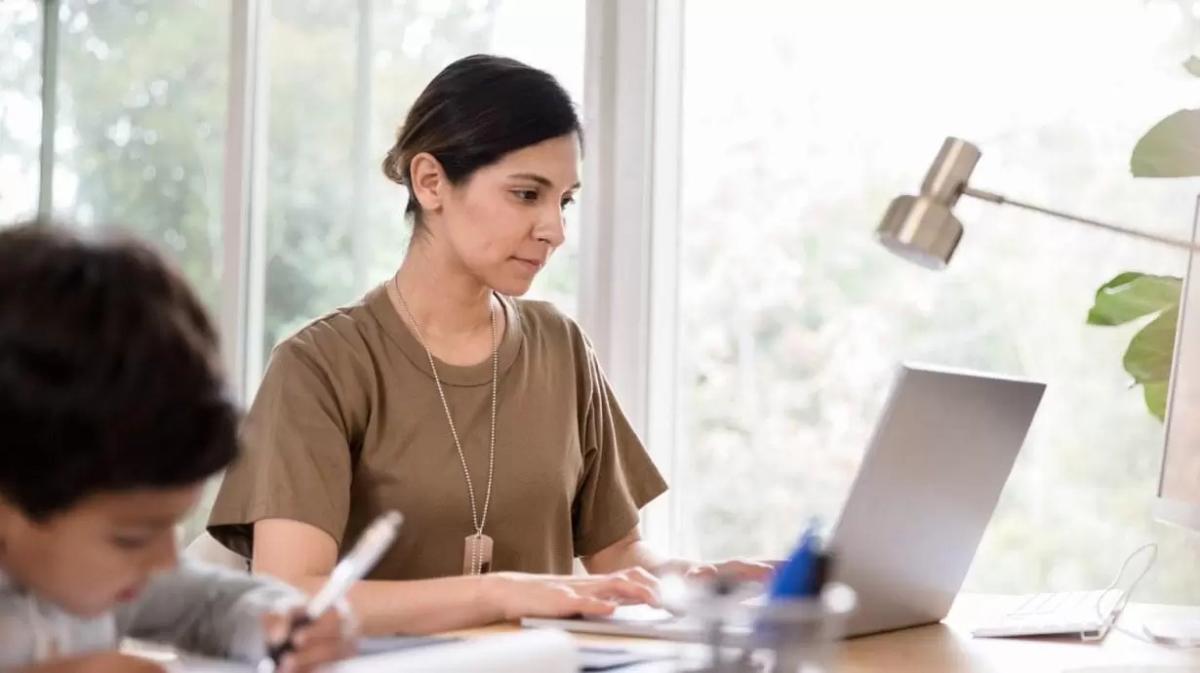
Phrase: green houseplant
x=1135 y=296
x=1170 y=149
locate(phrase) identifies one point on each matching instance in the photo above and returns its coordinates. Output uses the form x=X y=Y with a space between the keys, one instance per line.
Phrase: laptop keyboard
x=1045 y=614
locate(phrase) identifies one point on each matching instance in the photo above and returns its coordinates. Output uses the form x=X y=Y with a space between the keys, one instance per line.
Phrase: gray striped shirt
x=196 y=608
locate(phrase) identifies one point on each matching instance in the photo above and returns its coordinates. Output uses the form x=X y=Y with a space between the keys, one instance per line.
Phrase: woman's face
x=507 y=218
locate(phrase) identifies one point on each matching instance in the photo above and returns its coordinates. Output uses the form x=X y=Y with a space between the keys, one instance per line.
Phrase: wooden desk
x=949 y=648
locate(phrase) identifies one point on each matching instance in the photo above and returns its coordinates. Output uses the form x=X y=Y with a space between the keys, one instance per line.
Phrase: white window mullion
x=627 y=304
x=243 y=205
x=46 y=158
x=662 y=370
x=614 y=303
x=360 y=149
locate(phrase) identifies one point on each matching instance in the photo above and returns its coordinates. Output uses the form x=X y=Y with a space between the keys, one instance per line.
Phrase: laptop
x=923 y=496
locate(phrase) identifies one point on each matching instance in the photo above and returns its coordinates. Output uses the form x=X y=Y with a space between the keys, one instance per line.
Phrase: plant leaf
x=1132 y=295
x=1170 y=149
x=1192 y=65
x=1148 y=358
x=1156 y=398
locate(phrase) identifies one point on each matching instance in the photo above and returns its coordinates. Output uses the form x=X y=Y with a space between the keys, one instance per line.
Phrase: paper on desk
x=532 y=650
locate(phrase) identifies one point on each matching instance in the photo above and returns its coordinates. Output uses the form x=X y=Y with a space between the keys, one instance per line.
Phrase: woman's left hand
x=737 y=569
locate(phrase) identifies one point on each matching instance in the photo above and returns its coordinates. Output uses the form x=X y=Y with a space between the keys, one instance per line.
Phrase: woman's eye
x=568 y=201
x=526 y=194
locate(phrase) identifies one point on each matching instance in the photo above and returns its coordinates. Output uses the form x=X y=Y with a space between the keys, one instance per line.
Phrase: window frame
x=628 y=251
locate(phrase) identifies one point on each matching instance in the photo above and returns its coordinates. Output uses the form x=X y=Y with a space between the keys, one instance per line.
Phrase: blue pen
x=801 y=578
x=795 y=578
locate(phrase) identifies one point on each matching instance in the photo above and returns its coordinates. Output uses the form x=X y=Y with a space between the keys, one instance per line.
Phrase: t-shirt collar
x=398 y=332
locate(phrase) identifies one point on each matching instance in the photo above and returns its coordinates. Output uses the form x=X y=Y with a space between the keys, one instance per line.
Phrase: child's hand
x=334 y=636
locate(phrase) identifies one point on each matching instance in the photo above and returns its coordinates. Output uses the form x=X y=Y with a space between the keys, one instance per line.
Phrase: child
x=113 y=413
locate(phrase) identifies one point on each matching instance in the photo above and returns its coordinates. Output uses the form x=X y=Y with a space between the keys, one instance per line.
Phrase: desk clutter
x=797 y=626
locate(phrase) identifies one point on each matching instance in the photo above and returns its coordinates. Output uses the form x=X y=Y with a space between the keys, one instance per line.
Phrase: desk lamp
x=924 y=230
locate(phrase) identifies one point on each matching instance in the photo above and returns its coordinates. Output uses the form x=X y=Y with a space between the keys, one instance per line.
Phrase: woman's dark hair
x=474 y=112
x=109 y=373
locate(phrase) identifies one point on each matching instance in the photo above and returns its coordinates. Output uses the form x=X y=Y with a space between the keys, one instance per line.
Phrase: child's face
x=100 y=552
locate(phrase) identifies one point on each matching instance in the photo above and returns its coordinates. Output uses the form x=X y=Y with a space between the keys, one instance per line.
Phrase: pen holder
x=781 y=636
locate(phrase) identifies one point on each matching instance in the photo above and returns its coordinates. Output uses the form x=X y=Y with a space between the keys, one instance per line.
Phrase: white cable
x=1110 y=622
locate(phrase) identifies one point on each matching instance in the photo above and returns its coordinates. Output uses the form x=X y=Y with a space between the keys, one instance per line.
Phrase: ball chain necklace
x=477 y=553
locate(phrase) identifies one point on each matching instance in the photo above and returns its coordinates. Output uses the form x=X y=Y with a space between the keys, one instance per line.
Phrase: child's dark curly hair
x=110 y=378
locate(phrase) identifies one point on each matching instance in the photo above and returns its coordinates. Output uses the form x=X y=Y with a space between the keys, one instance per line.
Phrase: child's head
x=113 y=412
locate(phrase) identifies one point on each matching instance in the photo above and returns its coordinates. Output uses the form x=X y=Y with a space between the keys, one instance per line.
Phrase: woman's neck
x=444 y=301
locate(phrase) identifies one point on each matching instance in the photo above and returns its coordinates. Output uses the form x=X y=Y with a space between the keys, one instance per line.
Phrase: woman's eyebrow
x=540 y=179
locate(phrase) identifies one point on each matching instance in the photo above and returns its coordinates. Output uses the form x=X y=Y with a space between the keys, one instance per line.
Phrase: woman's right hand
x=517 y=595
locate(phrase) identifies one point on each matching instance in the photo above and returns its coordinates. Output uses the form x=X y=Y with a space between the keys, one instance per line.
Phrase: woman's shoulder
x=542 y=320
x=557 y=340
x=345 y=335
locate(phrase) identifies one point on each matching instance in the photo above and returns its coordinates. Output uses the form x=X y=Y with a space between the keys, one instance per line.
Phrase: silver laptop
x=928 y=484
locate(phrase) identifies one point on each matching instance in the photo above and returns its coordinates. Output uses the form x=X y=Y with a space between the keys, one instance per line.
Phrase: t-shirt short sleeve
x=619 y=476
x=296 y=453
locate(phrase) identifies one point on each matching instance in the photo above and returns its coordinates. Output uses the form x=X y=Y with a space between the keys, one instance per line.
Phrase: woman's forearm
x=633 y=552
x=418 y=606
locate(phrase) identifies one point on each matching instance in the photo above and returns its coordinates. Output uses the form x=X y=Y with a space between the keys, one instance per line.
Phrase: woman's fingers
x=589 y=606
x=559 y=599
x=748 y=571
x=622 y=590
x=641 y=576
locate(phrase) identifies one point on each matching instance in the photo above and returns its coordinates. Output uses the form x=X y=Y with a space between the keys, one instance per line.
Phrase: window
x=140 y=126
x=140 y=131
x=20 y=109
x=800 y=122
x=342 y=75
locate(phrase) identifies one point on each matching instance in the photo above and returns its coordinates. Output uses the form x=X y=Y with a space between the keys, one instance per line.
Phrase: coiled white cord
x=1111 y=621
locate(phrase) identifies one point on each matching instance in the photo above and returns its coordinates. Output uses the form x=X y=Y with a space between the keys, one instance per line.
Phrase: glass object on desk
x=760 y=636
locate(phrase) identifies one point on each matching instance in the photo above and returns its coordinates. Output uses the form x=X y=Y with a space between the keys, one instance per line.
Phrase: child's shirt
x=197 y=608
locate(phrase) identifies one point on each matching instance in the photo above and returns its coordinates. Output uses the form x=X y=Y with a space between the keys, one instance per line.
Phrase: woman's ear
x=429 y=181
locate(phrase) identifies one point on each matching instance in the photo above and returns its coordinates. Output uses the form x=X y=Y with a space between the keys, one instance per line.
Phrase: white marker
x=371 y=545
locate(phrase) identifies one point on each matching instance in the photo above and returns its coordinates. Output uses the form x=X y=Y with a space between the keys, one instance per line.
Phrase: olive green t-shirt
x=348 y=423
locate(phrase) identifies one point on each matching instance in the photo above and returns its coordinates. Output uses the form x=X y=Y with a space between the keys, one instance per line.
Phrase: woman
x=485 y=419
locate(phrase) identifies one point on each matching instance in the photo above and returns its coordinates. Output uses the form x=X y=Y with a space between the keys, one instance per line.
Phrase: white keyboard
x=1048 y=614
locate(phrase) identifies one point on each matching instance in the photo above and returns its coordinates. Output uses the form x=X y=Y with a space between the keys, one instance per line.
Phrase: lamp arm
x=1002 y=200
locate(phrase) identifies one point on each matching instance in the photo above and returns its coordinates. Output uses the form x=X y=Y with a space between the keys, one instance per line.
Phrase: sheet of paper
x=544 y=651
